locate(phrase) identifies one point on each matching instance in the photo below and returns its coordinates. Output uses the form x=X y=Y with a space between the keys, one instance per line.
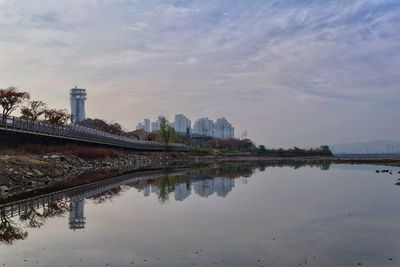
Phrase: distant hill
x=375 y=147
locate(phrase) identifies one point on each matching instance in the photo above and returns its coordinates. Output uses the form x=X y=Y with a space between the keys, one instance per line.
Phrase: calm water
x=243 y=215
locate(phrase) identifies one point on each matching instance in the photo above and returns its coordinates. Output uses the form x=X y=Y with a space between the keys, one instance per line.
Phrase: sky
x=290 y=73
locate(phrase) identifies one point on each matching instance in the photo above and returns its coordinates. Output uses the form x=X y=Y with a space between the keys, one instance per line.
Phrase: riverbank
x=23 y=171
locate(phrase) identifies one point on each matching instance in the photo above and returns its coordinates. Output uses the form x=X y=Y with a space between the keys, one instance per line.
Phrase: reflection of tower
x=78 y=98
x=77 y=219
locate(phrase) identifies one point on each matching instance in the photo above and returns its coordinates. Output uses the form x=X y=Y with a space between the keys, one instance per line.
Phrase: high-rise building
x=223 y=129
x=78 y=98
x=155 y=126
x=204 y=126
x=146 y=125
x=181 y=123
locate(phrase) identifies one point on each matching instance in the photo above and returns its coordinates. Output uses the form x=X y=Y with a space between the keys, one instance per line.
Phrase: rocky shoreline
x=26 y=172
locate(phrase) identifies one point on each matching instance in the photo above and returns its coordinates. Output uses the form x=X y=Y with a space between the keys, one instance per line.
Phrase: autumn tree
x=11 y=98
x=33 y=110
x=56 y=116
x=166 y=133
x=101 y=125
x=114 y=128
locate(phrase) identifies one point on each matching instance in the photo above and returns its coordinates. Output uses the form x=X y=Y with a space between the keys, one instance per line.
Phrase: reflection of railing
x=20 y=207
x=80 y=133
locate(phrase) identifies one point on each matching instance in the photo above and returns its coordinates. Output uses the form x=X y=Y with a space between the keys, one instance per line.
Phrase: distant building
x=223 y=129
x=77 y=99
x=155 y=126
x=204 y=126
x=181 y=123
x=145 y=125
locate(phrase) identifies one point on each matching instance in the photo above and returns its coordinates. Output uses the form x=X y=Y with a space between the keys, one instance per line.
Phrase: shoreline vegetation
x=33 y=168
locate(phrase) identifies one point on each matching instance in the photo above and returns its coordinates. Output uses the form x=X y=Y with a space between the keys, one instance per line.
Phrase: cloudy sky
x=289 y=72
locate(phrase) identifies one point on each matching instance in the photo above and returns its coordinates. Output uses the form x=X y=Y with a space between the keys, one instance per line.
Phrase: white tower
x=78 y=98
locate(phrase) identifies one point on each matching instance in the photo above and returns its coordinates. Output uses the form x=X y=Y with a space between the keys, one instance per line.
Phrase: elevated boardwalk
x=80 y=134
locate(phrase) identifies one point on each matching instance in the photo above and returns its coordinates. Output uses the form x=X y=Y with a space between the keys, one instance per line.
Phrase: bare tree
x=11 y=98
x=33 y=110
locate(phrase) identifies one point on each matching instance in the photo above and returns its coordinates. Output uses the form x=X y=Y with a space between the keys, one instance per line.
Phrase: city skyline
x=221 y=128
x=290 y=73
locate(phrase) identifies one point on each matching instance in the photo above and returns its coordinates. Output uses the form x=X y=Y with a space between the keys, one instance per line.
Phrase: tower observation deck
x=78 y=98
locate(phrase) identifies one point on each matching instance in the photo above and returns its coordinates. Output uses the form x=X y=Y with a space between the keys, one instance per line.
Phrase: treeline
x=233 y=145
x=295 y=152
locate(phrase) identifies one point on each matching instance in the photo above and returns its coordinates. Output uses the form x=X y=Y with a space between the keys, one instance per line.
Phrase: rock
x=39 y=173
x=4 y=189
x=54 y=156
x=397 y=183
x=29 y=174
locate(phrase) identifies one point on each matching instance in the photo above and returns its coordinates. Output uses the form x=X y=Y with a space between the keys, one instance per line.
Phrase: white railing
x=80 y=133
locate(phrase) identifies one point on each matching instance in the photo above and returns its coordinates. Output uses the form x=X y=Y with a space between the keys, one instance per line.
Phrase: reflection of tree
x=107 y=195
x=33 y=218
x=55 y=209
x=9 y=232
x=166 y=185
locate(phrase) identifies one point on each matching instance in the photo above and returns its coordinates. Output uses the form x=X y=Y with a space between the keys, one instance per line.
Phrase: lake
x=247 y=214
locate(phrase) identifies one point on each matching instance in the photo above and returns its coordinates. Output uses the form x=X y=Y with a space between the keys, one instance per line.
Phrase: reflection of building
x=220 y=185
x=202 y=186
x=223 y=186
x=146 y=191
x=77 y=98
x=154 y=188
x=77 y=219
x=182 y=191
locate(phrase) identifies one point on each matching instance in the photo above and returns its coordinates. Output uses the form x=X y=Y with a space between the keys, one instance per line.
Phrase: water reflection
x=77 y=218
x=17 y=217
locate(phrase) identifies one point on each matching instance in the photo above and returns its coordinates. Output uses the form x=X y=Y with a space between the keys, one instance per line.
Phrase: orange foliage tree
x=11 y=98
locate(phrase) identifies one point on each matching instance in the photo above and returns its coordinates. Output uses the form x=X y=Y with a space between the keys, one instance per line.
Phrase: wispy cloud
x=290 y=72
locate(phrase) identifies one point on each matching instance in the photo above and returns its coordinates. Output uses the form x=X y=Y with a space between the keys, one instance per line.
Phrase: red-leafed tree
x=56 y=116
x=11 y=98
x=114 y=128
